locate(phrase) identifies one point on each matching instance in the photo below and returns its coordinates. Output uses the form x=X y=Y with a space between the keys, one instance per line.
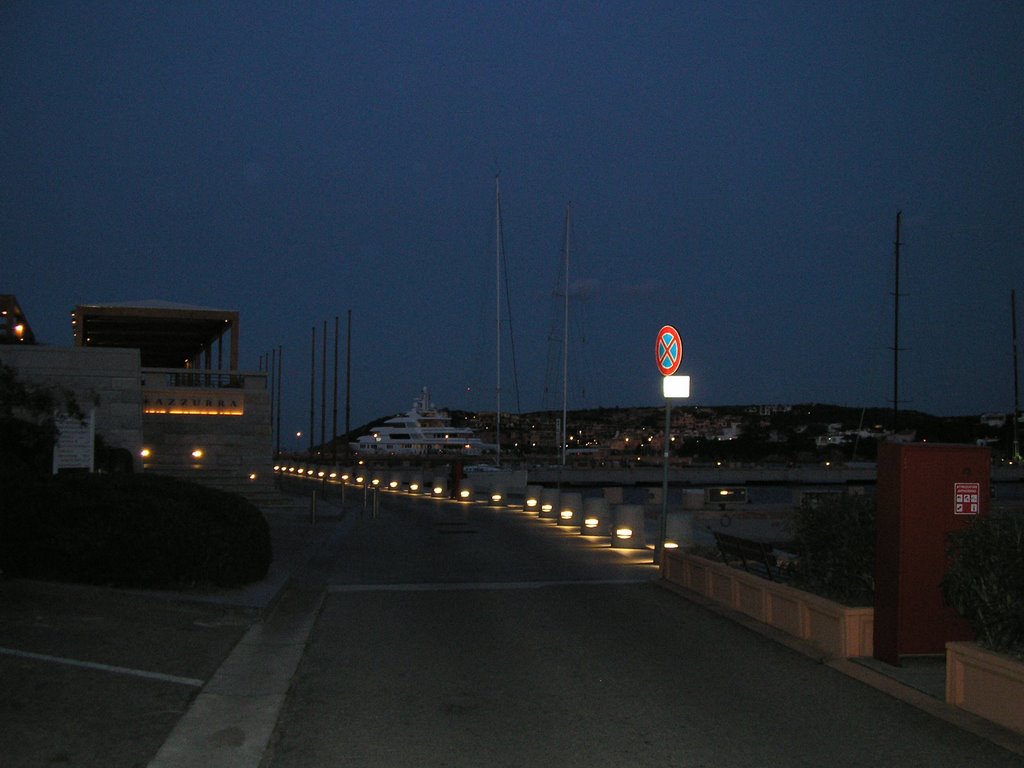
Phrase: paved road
x=98 y=677
x=436 y=634
x=466 y=636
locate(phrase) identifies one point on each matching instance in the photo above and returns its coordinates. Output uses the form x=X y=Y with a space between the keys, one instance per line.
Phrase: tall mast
x=334 y=419
x=497 y=309
x=277 y=395
x=348 y=383
x=312 y=389
x=1016 y=388
x=323 y=391
x=896 y=334
x=565 y=335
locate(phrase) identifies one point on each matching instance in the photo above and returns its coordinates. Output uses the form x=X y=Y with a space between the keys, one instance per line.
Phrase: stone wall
x=233 y=446
x=106 y=379
x=111 y=380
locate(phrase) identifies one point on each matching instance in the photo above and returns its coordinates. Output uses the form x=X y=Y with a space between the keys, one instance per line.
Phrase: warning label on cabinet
x=967 y=499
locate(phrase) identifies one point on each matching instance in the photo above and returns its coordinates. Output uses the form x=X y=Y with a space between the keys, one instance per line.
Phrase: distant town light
x=197 y=453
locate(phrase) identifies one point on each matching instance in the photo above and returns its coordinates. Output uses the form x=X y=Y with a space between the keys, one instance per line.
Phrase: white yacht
x=424 y=429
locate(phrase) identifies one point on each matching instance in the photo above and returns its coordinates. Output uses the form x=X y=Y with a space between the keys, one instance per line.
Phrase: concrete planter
x=837 y=630
x=985 y=683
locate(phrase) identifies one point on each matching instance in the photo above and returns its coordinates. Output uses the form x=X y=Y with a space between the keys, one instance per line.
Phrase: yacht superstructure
x=424 y=429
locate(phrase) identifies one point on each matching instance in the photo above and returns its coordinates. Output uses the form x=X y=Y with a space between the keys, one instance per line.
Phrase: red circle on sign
x=669 y=350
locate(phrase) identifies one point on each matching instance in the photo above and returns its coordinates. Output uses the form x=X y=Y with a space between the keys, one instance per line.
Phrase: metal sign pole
x=666 y=443
x=669 y=353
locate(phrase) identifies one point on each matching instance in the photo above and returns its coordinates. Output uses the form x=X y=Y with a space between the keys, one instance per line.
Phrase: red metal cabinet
x=925 y=492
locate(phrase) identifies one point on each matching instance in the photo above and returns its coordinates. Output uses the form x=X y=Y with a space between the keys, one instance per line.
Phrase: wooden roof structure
x=167 y=335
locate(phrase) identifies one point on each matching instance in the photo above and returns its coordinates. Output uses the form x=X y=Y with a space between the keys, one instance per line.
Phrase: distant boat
x=423 y=430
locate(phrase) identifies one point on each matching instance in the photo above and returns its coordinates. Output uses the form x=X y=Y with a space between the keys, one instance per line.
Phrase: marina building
x=161 y=382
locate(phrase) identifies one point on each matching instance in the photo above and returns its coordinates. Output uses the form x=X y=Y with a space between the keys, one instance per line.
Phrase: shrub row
x=130 y=530
x=985 y=581
x=835 y=536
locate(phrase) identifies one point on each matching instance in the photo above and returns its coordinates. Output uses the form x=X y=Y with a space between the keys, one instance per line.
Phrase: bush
x=985 y=581
x=28 y=419
x=835 y=539
x=130 y=530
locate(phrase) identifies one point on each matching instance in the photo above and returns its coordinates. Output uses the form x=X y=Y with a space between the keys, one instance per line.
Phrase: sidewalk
x=231 y=721
x=918 y=681
x=298 y=541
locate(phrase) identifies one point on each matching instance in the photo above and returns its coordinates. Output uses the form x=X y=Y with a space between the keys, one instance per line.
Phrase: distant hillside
x=806 y=432
x=802 y=432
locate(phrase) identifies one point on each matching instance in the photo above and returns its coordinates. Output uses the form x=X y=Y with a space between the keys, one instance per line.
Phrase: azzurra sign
x=177 y=402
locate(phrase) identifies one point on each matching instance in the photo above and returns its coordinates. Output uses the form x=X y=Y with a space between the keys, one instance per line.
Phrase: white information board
x=75 y=439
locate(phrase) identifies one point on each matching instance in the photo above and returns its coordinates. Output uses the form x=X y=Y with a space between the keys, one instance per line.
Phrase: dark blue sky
x=735 y=169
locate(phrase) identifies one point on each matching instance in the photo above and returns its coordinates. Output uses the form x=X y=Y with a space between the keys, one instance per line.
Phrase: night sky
x=734 y=169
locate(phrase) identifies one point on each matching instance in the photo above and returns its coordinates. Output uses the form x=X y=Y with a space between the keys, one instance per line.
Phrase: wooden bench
x=757 y=557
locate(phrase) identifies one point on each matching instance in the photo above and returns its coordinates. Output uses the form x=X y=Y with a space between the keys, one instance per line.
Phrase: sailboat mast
x=896 y=334
x=497 y=308
x=565 y=336
x=1016 y=387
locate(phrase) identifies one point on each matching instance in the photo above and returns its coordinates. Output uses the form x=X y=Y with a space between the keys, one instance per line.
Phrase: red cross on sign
x=967 y=499
x=669 y=350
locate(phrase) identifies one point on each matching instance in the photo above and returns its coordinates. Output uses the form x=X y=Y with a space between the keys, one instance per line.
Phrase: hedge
x=132 y=530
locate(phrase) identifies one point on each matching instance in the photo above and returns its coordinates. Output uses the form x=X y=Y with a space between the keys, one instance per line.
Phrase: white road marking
x=483 y=585
x=190 y=681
